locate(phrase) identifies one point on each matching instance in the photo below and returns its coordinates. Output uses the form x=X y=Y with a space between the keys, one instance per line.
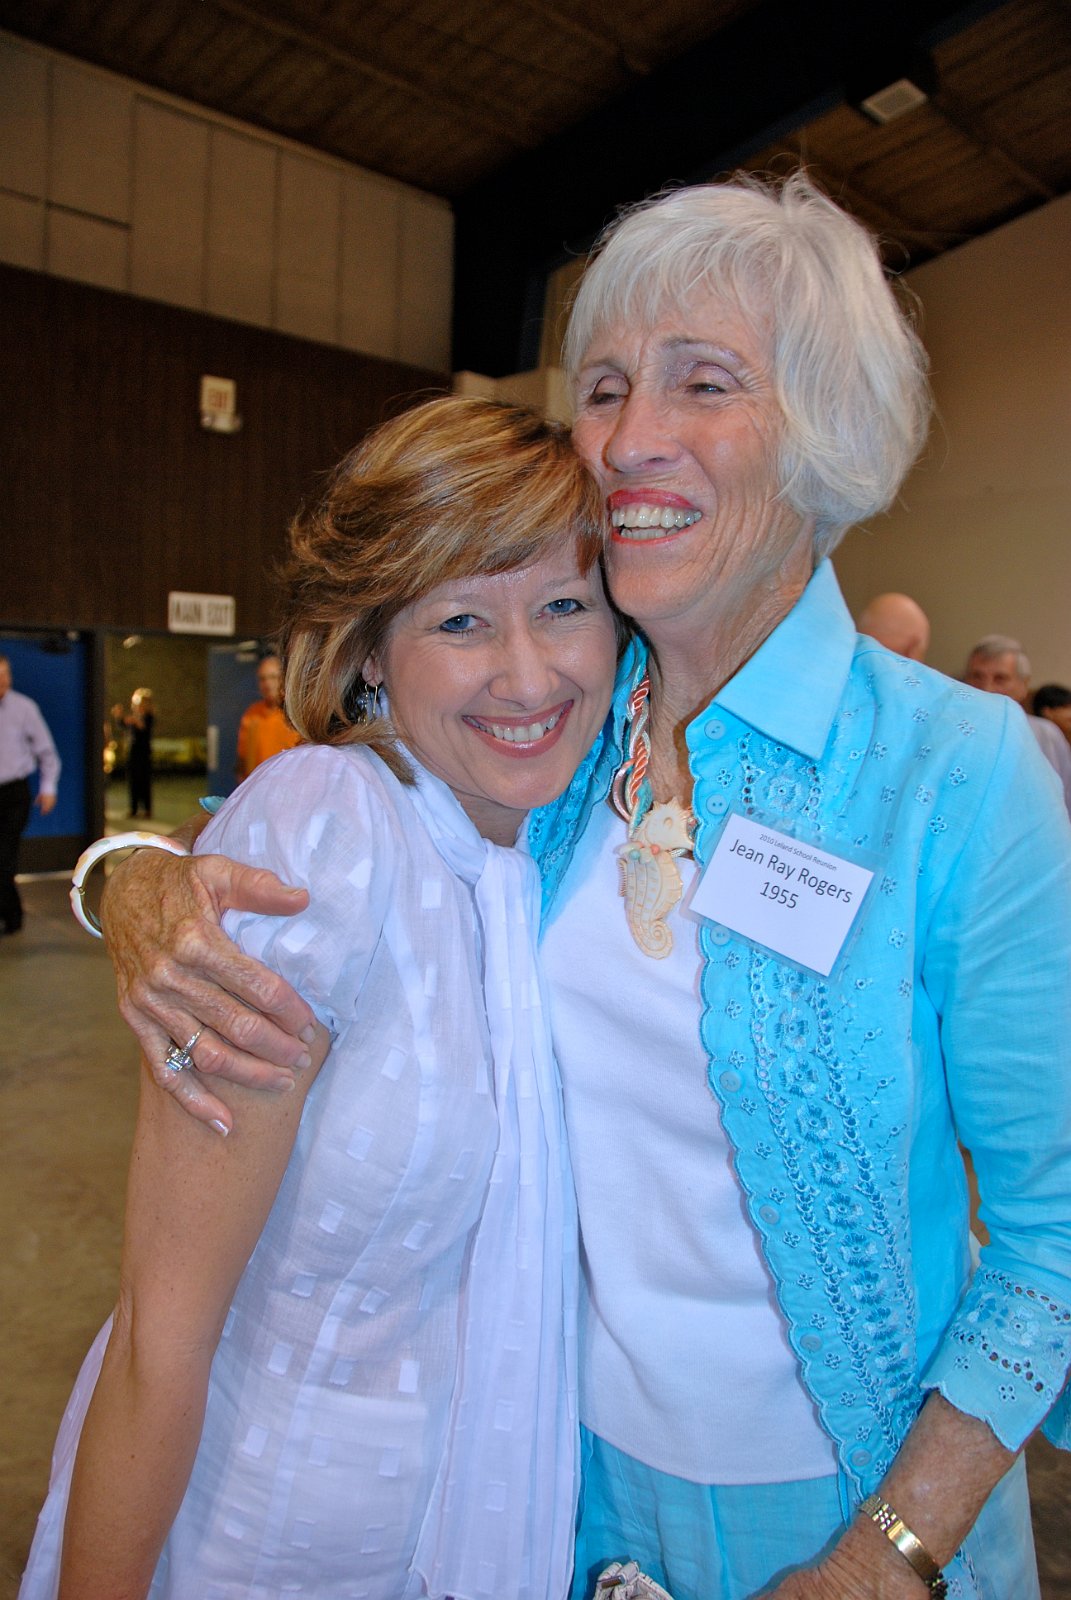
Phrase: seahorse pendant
x=650 y=878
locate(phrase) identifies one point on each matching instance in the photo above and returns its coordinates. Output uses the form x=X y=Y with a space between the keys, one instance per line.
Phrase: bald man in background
x=897 y=622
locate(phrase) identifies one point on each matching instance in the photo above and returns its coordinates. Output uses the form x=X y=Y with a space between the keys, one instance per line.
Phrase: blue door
x=232 y=686
x=54 y=670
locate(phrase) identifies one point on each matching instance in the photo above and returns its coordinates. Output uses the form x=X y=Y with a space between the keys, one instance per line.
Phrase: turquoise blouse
x=948 y=1018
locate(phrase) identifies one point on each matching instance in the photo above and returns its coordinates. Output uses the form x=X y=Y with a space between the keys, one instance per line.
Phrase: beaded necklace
x=650 y=878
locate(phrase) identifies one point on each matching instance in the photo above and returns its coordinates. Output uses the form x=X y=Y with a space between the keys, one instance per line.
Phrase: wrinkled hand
x=863 y=1565
x=176 y=971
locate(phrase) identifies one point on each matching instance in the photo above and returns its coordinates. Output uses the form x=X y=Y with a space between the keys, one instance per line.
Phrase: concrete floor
x=68 y=1086
x=67 y=1098
x=174 y=798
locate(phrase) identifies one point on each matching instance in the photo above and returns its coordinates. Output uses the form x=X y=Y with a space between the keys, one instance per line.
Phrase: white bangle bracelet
x=96 y=852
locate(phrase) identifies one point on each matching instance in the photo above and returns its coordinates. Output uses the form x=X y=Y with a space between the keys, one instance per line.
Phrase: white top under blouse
x=684 y=1360
x=392 y=1404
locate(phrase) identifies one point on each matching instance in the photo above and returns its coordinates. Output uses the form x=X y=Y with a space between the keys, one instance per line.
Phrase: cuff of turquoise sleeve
x=1005 y=1357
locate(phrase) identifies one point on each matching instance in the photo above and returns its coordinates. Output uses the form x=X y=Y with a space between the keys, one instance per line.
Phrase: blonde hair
x=453 y=488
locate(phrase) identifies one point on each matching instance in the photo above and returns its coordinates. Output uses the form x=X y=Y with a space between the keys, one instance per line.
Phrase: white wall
x=115 y=184
x=982 y=536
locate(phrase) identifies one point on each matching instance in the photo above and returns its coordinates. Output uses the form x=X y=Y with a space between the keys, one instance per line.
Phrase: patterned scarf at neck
x=650 y=878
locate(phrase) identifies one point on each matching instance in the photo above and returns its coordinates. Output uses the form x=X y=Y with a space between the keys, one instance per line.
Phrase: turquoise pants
x=711 y=1542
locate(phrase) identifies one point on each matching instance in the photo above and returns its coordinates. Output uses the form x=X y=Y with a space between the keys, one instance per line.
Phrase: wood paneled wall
x=113 y=494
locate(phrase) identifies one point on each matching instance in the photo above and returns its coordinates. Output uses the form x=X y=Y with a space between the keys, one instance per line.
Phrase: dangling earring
x=371 y=702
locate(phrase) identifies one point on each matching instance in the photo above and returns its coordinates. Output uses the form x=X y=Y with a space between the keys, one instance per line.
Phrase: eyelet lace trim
x=835 y=1234
x=1014 y=1339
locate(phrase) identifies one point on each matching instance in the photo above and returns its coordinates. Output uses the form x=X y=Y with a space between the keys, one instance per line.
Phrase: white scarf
x=500 y=1519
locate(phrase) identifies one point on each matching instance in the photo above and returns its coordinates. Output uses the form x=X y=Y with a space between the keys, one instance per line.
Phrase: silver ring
x=178 y=1058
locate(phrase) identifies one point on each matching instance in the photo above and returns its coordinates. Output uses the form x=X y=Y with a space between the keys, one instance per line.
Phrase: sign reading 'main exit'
x=200 y=613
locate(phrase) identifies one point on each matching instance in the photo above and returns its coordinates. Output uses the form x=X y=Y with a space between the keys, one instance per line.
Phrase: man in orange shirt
x=264 y=730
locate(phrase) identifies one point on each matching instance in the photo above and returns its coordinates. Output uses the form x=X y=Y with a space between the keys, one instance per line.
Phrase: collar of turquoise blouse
x=771 y=695
x=768 y=693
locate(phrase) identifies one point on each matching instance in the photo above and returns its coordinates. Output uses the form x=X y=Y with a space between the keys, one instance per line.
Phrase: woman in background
x=138 y=723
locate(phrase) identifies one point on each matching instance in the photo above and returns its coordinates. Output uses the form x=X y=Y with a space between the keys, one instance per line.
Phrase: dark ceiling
x=538 y=118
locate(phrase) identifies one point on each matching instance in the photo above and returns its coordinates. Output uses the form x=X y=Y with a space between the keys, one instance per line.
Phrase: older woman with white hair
x=842 y=947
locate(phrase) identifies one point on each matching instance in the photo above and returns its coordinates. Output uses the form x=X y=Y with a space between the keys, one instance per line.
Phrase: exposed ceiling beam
x=892 y=227
x=965 y=124
x=600 y=39
x=507 y=123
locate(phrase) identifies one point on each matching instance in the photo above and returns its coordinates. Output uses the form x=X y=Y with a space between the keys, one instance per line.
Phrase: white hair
x=848 y=369
x=1002 y=644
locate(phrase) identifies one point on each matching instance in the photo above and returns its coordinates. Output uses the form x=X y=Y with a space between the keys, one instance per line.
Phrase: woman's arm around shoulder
x=177 y=971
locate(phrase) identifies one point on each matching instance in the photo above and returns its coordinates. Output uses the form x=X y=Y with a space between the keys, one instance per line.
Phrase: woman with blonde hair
x=342 y=1358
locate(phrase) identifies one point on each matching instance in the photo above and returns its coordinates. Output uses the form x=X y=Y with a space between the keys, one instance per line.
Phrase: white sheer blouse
x=392 y=1405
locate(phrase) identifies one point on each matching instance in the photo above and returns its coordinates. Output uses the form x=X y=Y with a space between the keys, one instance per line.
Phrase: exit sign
x=200 y=613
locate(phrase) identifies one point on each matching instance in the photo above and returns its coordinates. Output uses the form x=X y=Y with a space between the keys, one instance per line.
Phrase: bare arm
x=195 y=1209
x=176 y=971
x=944 y=1473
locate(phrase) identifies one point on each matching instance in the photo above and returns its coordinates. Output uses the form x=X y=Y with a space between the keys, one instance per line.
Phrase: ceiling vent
x=894 y=101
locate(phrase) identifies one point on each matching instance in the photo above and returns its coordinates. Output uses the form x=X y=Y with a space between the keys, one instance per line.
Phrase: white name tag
x=794 y=898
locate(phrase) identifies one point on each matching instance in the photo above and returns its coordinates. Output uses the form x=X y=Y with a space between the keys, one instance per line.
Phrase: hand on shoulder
x=177 y=972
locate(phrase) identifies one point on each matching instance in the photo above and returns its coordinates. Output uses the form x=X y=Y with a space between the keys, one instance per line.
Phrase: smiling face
x=499 y=684
x=680 y=424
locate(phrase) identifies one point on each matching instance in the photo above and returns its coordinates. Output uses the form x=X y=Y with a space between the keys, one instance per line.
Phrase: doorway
x=232 y=687
x=55 y=668
x=200 y=688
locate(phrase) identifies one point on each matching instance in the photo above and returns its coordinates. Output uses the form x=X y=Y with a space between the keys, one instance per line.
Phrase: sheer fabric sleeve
x=324 y=819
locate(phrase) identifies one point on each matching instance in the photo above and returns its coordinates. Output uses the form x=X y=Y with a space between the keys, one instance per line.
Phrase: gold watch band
x=910 y=1547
